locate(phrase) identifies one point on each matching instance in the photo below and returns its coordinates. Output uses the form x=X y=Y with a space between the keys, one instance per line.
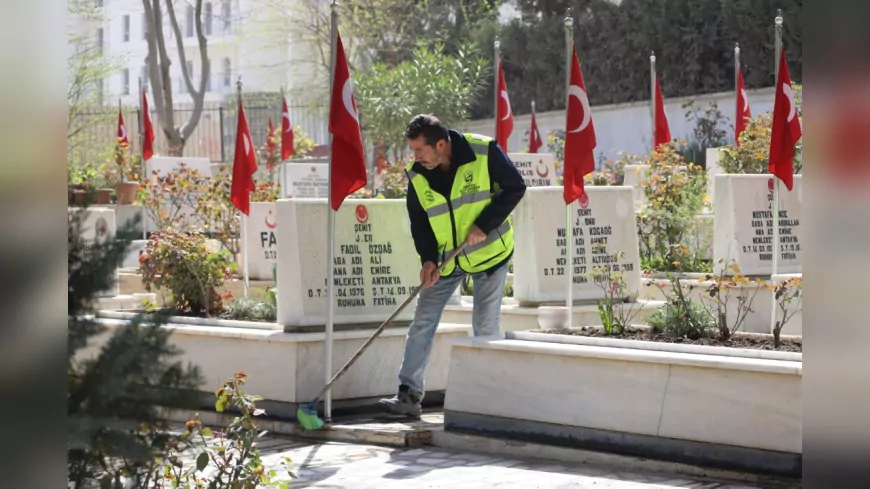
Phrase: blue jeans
x=485 y=316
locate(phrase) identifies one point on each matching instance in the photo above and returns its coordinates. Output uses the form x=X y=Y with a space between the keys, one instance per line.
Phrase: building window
x=126 y=81
x=144 y=27
x=126 y=29
x=145 y=77
x=99 y=41
x=208 y=15
x=228 y=72
x=227 y=15
x=188 y=20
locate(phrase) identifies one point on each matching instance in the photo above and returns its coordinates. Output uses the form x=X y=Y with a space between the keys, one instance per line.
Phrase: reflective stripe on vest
x=452 y=219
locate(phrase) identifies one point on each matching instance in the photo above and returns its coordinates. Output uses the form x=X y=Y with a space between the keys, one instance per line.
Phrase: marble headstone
x=604 y=225
x=537 y=169
x=262 y=240
x=306 y=180
x=375 y=268
x=743 y=224
x=98 y=225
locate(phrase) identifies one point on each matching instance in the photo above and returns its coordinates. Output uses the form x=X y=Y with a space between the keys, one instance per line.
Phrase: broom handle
x=383 y=326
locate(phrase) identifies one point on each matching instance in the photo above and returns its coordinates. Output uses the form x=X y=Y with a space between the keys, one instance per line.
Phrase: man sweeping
x=461 y=189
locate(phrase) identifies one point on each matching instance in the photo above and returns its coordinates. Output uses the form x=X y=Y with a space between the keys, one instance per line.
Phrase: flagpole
x=142 y=155
x=330 y=232
x=737 y=114
x=652 y=98
x=281 y=167
x=569 y=230
x=776 y=252
x=497 y=54
x=244 y=231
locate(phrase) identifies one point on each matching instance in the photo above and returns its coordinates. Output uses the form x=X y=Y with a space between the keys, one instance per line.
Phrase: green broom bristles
x=307 y=416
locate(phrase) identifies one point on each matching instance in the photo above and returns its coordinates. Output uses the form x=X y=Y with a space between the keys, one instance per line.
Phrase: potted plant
x=81 y=183
x=127 y=187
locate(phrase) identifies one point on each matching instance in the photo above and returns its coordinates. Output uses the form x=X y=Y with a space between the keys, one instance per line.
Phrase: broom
x=307 y=413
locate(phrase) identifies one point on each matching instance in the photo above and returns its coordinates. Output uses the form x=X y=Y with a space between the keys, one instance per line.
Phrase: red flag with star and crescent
x=579 y=136
x=244 y=165
x=535 y=142
x=147 y=130
x=286 y=132
x=504 y=124
x=743 y=112
x=122 y=128
x=786 y=128
x=347 y=164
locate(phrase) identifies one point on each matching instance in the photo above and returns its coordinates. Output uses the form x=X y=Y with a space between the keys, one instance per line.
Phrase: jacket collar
x=462 y=153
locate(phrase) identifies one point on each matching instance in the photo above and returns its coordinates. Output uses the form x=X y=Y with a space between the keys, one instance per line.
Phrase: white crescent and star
x=507 y=102
x=285 y=115
x=247 y=140
x=123 y=131
x=347 y=98
x=576 y=91
x=745 y=100
x=790 y=95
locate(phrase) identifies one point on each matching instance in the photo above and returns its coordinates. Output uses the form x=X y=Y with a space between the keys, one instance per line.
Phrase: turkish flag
x=504 y=123
x=663 y=131
x=147 y=130
x=122 y=128
x=244 y=165
x=743 y=113
x=786 y=127
x=535 y=142
x=579 y=136
x=270 y=133
x=347 y=163
x=286 y=132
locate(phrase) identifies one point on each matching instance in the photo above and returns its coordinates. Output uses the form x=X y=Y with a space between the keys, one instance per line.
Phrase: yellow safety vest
x=451 y=220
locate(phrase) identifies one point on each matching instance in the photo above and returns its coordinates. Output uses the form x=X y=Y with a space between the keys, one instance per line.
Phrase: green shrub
x=683 y=319
x=183 y=263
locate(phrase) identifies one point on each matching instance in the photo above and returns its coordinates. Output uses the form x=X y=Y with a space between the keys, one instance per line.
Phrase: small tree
x=159 y=62
x=432 y=82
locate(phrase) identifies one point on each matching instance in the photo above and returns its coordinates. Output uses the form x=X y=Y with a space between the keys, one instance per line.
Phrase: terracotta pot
x=79 y=197
x=126 y=192
x=104 y=196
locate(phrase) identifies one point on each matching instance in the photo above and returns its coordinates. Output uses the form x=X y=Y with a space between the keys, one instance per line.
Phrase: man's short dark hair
x=432 y=129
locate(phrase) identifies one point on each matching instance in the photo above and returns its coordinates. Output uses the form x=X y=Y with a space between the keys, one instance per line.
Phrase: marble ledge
x=629 y=355
x=279 y=336
x=654 y=346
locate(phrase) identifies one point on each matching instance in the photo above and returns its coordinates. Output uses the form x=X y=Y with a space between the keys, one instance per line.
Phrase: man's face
x=428 y=156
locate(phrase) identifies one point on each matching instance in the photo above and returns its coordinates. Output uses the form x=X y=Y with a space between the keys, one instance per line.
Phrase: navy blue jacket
x=501 y=171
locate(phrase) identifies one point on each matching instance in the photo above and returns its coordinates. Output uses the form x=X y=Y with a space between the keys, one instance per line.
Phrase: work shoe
x=406 y=403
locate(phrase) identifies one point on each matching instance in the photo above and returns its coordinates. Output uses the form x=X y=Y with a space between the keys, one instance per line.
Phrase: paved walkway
x=351 y=466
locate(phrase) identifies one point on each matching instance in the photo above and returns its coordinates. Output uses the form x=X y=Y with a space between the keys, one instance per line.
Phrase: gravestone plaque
x=603 y=225
x=375 y=267
x=306 y=180
x=537 y=169
x=743 y=224
x=98 y=225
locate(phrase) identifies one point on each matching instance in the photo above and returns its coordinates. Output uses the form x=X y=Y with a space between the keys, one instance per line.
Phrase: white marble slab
x=288 y=367
x=97 y=227
x=376 y=265
x=261 y=240
x=744 y=402
x=603 y=225
x=743 y=224
x=537 y=169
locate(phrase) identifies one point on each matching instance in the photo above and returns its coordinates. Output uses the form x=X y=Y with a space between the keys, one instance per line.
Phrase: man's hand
x=475 y=235
x=429 y=274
